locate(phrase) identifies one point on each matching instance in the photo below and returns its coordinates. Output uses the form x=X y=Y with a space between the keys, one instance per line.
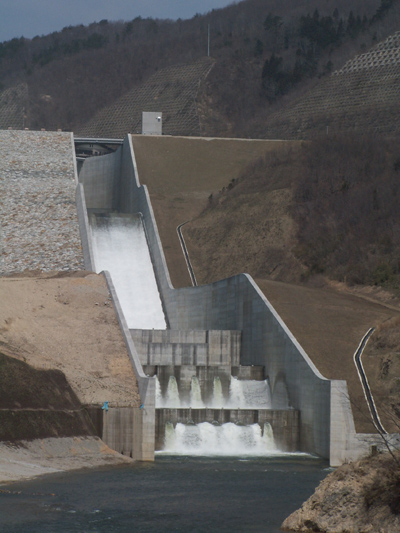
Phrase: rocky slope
x=357 y=497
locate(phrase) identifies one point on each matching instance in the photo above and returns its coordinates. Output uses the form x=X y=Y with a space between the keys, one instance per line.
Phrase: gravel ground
x=38 y=224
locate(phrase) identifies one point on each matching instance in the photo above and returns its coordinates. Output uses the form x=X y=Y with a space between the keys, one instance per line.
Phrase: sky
x=28 y=18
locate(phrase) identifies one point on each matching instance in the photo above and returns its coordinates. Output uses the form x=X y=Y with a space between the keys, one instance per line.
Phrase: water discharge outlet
x=219 y=440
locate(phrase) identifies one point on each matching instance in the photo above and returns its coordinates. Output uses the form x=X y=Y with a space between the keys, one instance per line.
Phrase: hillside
x=326 y=207
x=265 y=54
x=361 y=96
x=172 y=90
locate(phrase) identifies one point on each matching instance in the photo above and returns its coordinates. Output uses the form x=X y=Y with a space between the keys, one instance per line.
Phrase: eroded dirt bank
x=54 y=323
x=361 y=497
x=67 y=322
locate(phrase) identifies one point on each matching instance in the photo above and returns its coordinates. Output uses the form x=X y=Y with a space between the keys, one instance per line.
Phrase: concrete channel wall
x=128 y=430
x=236 y=303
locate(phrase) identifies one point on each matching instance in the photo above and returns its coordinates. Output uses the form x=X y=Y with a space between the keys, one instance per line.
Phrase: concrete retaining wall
x=123 y=431
x=84 y=228
x=144 y=426
x=97 y=177
x=235 y=303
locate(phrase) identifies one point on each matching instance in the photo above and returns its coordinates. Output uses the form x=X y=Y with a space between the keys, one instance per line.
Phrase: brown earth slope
x=181 y=174
x=37 y=404
x=67 y=322
x=59 y=324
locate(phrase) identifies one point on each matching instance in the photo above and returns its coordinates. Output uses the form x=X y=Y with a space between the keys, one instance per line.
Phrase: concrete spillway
x=120 y=246
x=214 y=331
x=227 y=431
x=238 y=421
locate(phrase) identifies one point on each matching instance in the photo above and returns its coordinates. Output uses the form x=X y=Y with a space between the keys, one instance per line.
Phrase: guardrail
x=94 y=140
x=365 y=385
x=186 y=254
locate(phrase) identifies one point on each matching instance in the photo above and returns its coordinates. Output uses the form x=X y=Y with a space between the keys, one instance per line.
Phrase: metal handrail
x=365 y=385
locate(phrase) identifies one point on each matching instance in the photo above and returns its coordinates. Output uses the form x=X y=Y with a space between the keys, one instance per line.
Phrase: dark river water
x=185 y=494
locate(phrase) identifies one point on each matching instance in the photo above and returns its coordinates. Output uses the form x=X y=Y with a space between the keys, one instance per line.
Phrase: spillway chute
x=120 y=246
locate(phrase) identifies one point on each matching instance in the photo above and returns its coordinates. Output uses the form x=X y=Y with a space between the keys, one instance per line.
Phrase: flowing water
x=249 y=394
x=243 y=394
x=218 y=399
x=185 y=494
x=228 y=439
x=172 y=398
x=120 y=246
x=214 y=439
x=195 y=394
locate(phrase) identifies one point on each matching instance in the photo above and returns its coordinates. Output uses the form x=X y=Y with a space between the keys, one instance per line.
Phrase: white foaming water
x=159 y=398
x=243 y=394
x=120 y=246
x=172 y=399
x=214 y=440
x=218 y=399
x=249 y=394
x=195 y=394
x=236 y=394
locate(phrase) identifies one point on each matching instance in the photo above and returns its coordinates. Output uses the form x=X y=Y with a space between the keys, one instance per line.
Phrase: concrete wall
x=346 y=444
x=84 y=228
x=123 y=431
x=235 y=303
x=196 y=348
x=98 y=179
x=144 y=425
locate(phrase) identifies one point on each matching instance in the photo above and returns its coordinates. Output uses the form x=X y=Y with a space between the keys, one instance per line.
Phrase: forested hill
x=265 y=52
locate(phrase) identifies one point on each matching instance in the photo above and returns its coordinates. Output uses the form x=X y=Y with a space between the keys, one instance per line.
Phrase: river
x=175 y=493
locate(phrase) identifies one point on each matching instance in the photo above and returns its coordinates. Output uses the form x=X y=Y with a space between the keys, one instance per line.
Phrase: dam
x=212 y=363
x=217 y=414
x=203 y=341
x=200 y=407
